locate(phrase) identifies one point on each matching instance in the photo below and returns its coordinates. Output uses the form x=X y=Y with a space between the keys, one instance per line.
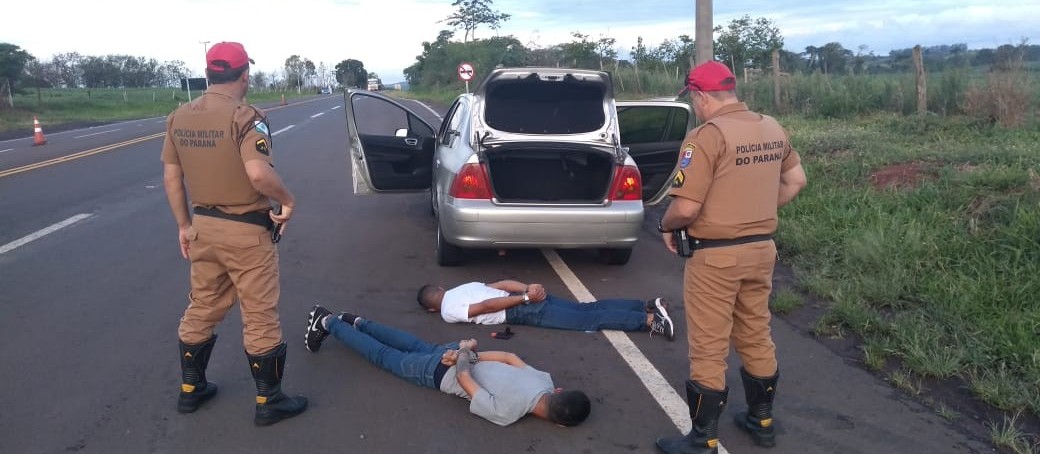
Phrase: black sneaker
x=657 y=304
x=349 y=318
x=315 y=332
x=662 y=324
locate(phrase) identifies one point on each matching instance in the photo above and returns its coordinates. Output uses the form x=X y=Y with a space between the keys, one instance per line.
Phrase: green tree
x=258 y=79
x=605 y=51
x=351 y=73
x=580 y=53
x=834 y=58
x=745 y=42
x=295 y=70
x=12 y=68
x=471 y=14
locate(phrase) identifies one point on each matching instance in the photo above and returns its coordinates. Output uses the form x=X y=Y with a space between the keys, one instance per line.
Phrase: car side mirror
x=401 y=133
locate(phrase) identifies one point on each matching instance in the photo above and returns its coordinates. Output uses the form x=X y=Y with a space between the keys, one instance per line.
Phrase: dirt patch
x=907 y=175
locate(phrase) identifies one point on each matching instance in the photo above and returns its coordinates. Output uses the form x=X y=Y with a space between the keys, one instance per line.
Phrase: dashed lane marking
x=42 y=233
x=282 y=130
x=317 y=114
x=96 y=133
x=666 y=396
x=9 y=149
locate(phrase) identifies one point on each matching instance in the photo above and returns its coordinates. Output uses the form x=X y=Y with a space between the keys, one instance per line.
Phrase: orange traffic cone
x=38 y=138
x=283 y=99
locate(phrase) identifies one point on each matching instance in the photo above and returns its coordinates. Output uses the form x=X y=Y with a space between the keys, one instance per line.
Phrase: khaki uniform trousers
x=726 y=295
x=229 y=259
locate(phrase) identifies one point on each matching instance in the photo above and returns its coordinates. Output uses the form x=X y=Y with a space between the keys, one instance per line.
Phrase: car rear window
x=535 y=106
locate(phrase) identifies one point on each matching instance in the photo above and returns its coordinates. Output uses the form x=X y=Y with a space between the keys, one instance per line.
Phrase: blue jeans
x=396 y=351
x=559 y=313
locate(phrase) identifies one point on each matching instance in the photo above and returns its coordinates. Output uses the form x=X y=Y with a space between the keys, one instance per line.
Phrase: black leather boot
x=705 y=407
x=194 y=388
x=271 y=405
x=757 y=420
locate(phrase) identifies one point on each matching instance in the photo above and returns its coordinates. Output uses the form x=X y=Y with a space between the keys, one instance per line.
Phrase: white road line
x=429 y=108
x=336 y=107
x=669 y=400
x=41 y=233
x=161 y=121
x=96 y=133
x=9 y=149
x=282 y=130
x=317 y=114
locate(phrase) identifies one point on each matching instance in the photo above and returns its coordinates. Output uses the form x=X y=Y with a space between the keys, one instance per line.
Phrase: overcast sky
x=387 y=34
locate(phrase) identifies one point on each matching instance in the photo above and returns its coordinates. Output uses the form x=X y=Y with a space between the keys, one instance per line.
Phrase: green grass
x=942 y=274
x=61 y=106
x=1006 y=434
x=785 y=300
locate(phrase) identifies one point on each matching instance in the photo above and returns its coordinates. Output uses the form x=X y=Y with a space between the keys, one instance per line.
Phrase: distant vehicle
x=325 y=91
x=534 y=157
x=374 y=84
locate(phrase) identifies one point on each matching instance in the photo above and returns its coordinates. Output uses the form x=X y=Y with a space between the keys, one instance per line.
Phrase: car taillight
x=470 y=183
x=628 y=185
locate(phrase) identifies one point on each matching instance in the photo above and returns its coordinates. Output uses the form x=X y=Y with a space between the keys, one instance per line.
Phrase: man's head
x=569 y=408
x=228 y=63
x=710 y=86
x=430 y=297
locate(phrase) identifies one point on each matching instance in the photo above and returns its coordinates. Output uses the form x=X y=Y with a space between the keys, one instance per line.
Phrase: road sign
x=466 y=71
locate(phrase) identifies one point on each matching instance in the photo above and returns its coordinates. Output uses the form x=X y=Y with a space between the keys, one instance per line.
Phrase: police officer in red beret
x=218 y=149
x=734 y=171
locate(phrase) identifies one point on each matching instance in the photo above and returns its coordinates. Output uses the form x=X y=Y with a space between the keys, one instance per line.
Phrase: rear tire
x=615 y=256
x=447 y=254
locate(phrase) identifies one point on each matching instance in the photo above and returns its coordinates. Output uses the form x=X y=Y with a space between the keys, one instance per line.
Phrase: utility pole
x=704 y=50
x=205 y=52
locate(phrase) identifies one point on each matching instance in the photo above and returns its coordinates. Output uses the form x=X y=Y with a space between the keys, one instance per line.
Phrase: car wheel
x=615 y=256
x=447 y=254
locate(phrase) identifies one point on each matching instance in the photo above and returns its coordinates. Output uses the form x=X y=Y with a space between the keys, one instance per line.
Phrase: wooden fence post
x=776 y=80
x=922 y=88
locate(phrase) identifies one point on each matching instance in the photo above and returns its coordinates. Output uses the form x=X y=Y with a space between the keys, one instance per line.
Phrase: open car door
x=391 y=148
x=653 y=131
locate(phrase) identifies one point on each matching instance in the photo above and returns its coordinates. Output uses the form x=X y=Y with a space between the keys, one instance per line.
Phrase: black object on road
x=504 y=335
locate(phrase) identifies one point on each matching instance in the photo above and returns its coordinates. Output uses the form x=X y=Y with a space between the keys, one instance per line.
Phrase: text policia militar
x=198 y=138
x=758 y=148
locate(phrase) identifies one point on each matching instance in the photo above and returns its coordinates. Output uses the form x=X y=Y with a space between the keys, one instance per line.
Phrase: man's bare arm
x=495 y=305
x=791 y=183
x=173 y=182
x=266 y=181
x=502 y=357
x=509 y=286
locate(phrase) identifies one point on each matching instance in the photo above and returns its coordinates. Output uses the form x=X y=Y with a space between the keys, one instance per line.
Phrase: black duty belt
x=697 y=243
x=260 y=218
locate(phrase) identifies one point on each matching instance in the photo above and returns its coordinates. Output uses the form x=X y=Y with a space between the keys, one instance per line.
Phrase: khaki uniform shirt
x=211 y=139
x=732 y=164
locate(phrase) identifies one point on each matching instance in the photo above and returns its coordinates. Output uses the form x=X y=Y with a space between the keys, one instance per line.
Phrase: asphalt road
x=92 y=286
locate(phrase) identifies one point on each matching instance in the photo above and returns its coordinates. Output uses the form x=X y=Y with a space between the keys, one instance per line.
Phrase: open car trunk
x=550 y=173
x=546 y=101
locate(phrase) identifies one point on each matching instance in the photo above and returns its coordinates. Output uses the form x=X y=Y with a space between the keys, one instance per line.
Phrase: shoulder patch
x=261 y=127
x=261 y=147
x=680 y=178
x=687 y=155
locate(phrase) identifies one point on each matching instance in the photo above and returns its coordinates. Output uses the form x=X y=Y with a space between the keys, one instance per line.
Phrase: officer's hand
x=283 y=218
x=184 y=236
x=669 y=242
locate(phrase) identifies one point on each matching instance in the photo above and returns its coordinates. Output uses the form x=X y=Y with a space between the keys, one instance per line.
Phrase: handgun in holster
x=682 y=243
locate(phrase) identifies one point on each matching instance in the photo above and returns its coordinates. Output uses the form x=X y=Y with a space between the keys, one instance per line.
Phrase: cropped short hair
x=569 y=408
x=425 y=294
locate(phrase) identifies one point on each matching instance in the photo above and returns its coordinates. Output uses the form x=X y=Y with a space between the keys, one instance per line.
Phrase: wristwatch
x=526 y=298
x=660 y=227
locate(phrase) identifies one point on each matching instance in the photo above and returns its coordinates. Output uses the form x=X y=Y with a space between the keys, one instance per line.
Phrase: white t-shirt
x=456 y=302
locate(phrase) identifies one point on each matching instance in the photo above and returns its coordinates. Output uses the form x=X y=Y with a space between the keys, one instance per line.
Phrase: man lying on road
x=501 y=387
x=527 y=304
